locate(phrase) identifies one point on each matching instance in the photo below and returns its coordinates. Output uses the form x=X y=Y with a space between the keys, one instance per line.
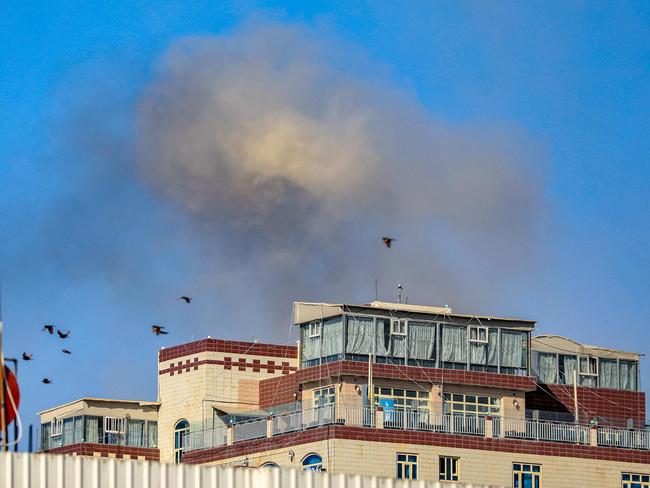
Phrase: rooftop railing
x=423 y=420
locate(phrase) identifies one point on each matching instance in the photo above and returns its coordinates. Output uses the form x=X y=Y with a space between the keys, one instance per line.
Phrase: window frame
x=631 y=481
x=56 y=427
x=449 y=401
x=406 y=463
x=443 y=475
x=521 y=472
x=315 y=329
x=478 y=329
x=327 y=395
x=181 y=433
x=312 y=466
x=588 y=358
x=114 y=425
x=400 y=323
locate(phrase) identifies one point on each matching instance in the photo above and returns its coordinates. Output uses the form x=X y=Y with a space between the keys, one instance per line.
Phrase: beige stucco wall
x=476 y=466
x=193 y=395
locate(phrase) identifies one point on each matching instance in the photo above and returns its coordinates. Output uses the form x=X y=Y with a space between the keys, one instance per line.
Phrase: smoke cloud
x=292 y=156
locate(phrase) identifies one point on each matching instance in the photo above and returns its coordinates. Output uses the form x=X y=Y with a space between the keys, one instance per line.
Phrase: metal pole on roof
x=575 y=396
x=3 y=426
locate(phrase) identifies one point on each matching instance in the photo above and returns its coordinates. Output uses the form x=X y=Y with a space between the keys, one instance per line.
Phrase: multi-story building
x=407 y=391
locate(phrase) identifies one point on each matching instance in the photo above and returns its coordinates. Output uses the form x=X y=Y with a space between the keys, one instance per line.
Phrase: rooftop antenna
x=399 y=293
x=376 y=294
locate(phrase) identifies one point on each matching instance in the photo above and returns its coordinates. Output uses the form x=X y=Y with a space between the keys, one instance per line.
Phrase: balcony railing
x=630 y=439
x=472 y=425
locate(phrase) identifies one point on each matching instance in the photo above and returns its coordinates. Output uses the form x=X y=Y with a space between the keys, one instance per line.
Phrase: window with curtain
x=484 y=356
x=453 y=339
x=546 y=367
x=152 y=434
x=608 y=373
x=360 y=334
x=46 y=430
x=513 y=348
x=382 y=337
x=135 y=433
x=332 y=333
x=627 y=375
x=78 y=429
x=421 y=340
x=93 y=427
x=568 y=365
x=68 y=431
x=310 y=346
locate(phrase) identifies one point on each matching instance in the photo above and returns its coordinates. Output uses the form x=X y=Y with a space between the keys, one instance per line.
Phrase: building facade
x=408 y=391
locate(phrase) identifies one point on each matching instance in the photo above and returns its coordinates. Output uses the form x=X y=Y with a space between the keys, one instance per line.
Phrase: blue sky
x=570 y=79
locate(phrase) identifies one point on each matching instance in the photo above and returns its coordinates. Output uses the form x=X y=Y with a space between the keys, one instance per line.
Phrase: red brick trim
x=234 y=347
x=88 y=449
x=280 y=390
x=241 y=364
x=418 y=438
x=612 y=407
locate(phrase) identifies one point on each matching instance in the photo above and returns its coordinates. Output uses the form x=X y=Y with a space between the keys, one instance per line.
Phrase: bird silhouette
x=47 y=381
x=27 y=356
x=62 y=335
x=49 y=328
x=65 y=351
x=388 y=241
x=185 y=299
x=157 y=329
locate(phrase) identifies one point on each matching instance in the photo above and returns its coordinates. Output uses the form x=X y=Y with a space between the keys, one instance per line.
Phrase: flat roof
x=329 y=309
x=139 y=403
x=553 y=343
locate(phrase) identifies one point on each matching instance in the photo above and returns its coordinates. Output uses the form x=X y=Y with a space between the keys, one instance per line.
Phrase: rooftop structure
x=406 y=391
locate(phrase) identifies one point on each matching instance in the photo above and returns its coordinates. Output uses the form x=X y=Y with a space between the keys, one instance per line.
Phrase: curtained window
x=152 y=434
x=454 y=343
x=332 y=337
x=627 y=375
x=546 y=368
x=421 y=340
x=360 y=334
x=608 y=373
x=78 y=429
x=135 y=433
x=513 y=348
x=485 y=353
x=568 y=365
x=382 y=337
x=310 y=345
x=68 y=431
x=92 y=433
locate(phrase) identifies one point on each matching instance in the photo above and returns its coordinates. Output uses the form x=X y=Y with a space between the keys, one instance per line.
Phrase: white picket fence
x=22 y=470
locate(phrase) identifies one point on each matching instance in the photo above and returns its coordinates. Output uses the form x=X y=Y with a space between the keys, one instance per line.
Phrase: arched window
x=181 y=429
x=269 y=465
x=312 y=462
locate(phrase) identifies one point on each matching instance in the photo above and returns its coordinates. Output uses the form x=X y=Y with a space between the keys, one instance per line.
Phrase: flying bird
x=65 y=351
x=185 y=299
x=157 y=329
x=388 y=241
x=49 y=328
x=62 y=335
x=47 y=381
x=27 y=356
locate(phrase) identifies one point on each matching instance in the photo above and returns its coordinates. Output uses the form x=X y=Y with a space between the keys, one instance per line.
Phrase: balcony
x=376 y=418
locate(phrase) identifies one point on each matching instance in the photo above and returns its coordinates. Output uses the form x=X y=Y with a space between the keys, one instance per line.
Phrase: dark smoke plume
x=291 y=167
